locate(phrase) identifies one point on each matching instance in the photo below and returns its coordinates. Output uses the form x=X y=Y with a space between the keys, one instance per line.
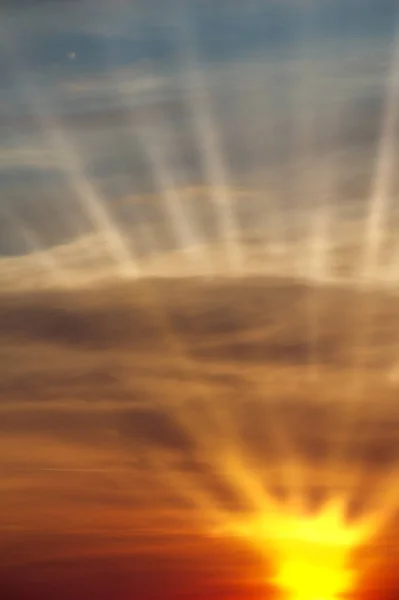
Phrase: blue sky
x=86 y=72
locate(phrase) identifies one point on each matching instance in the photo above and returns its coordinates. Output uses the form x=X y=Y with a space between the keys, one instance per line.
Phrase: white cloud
x=27 y=156
x=130 y=81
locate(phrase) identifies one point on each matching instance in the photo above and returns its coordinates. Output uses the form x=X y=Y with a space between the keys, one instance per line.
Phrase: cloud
x=26 y=156
x=121 y=443
x=130 y=83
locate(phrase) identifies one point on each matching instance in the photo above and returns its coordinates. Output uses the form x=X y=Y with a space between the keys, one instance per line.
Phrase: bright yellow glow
x=312 y=554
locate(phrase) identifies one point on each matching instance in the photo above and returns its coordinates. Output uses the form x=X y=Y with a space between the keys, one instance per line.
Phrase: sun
x=312 y=555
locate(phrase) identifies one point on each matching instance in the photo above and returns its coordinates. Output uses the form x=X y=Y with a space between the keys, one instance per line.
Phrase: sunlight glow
x=312 y=554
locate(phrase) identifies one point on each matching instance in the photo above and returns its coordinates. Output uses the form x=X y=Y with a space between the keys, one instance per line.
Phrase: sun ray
x=211 y=424
x=312 y=209
x=197 y=425
x=190 y=240
x=374 y=230
x=271 y=212
x=384 y=170
x=88 y=197
x=96 y=209
x=206 y=131
x=208 y=507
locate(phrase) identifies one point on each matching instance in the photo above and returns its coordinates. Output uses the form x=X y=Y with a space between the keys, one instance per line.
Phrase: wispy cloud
x=132 y=82
x=27 y=156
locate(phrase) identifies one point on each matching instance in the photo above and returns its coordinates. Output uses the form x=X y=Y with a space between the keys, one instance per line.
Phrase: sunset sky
x=199 y=350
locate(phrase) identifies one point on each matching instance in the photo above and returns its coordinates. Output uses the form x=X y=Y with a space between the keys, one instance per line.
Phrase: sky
x=198 y=274
x=118 y=97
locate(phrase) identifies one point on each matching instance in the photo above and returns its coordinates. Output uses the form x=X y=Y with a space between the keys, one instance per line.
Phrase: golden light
x=312 y=555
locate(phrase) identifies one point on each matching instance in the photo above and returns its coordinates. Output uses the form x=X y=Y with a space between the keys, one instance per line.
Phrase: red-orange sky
x=139 y=422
